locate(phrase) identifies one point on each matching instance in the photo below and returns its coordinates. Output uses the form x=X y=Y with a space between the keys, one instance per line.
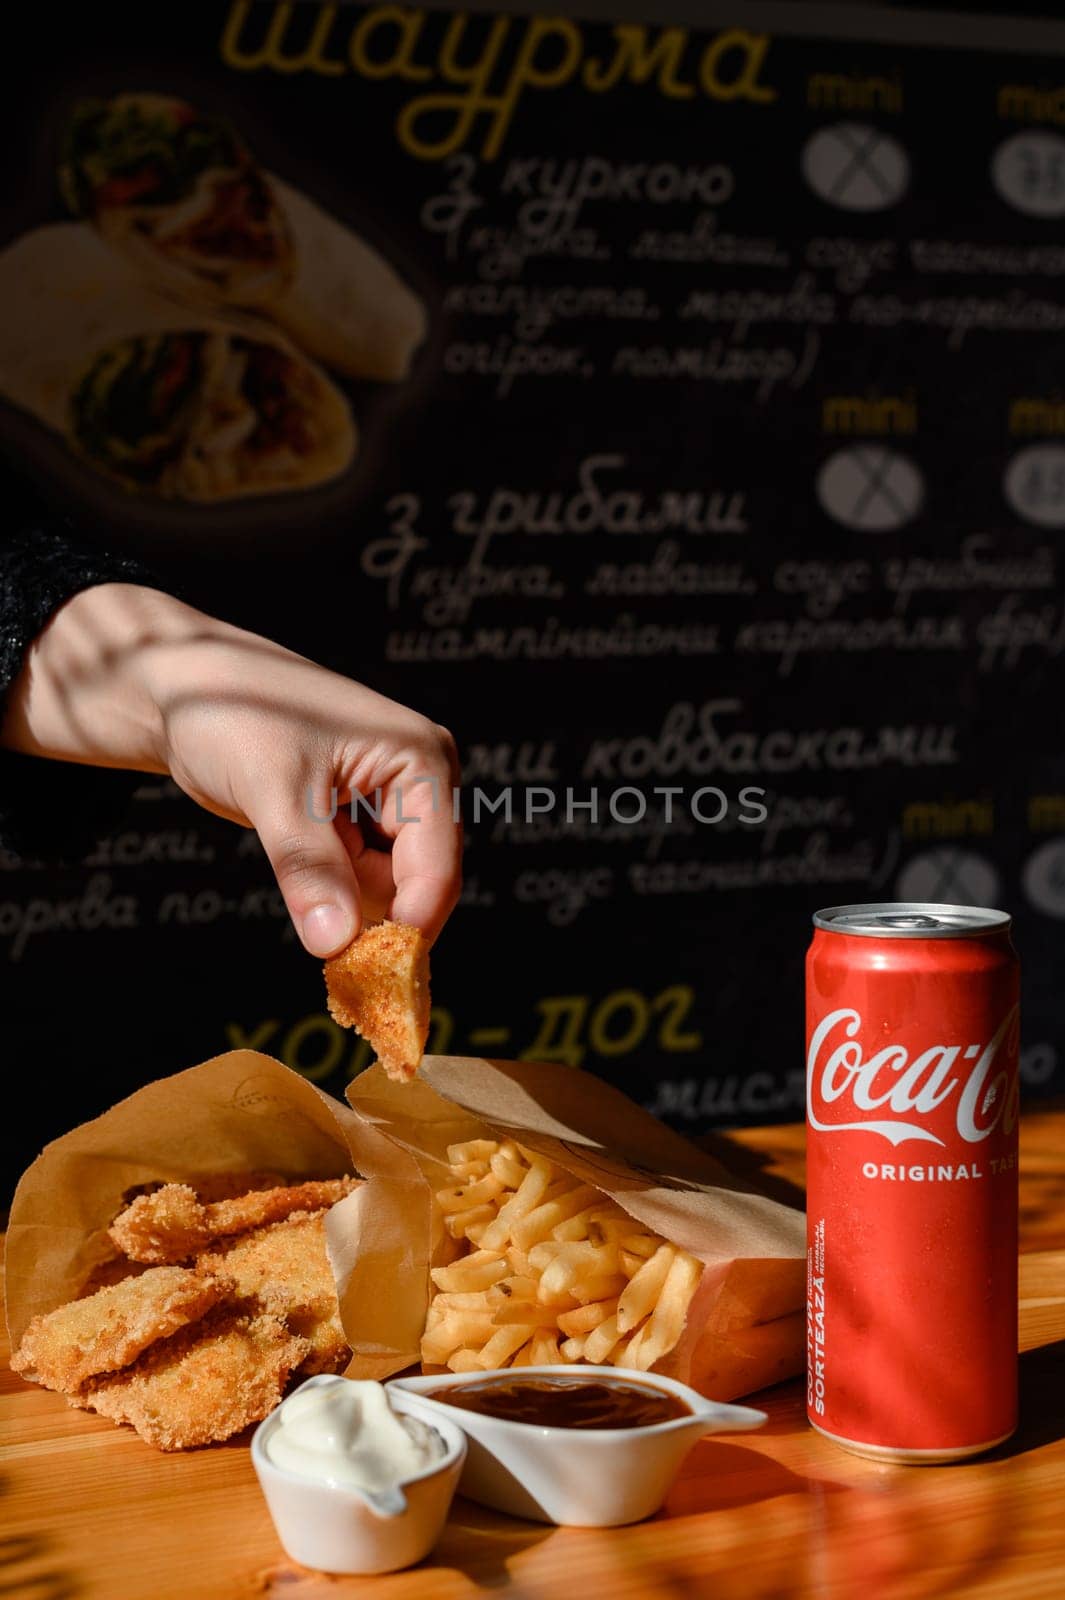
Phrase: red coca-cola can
x=912 y=1027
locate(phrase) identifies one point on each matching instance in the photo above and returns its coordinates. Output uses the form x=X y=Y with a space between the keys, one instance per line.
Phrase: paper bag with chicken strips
x=173 y=1263
x=569 y=1225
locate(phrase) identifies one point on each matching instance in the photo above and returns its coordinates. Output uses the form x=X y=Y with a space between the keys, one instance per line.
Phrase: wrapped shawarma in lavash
x=178 y=193
x=161 y=397
x=345 y=304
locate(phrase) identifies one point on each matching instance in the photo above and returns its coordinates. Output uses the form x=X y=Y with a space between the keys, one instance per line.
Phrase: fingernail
x=327 y=929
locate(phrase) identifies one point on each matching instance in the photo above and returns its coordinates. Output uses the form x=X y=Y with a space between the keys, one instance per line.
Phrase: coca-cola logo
x=981 y=1079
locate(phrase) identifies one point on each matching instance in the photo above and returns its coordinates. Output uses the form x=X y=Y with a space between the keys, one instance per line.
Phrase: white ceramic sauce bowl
x=578 y=1477
x=352 y=1530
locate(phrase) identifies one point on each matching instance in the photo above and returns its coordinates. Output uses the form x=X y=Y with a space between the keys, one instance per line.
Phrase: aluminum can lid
x=912 y=919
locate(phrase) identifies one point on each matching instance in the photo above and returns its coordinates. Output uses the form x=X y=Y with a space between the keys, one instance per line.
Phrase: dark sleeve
x=53 y=810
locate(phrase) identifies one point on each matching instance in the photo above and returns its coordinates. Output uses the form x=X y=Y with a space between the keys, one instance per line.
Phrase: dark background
x=690 y=999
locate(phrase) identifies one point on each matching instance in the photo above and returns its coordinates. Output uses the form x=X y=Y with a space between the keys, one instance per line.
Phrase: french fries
x=554 y=1272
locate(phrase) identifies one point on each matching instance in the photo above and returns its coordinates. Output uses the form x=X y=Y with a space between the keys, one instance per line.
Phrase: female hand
x=126 y=676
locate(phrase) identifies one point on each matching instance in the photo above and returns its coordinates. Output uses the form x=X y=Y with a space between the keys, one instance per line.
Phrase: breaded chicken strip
x=204 y=1384
x=115 y=1270
x=224 y=1185
x=329 y=1349
x=379 y=986
x=172 y=1224
x=286 y=1269
x=168 y=1225
x=109 y=1329
x=285 y=1266
x=272 y=1205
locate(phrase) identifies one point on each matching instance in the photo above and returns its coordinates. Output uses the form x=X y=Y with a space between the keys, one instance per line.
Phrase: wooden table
x=88 y=1511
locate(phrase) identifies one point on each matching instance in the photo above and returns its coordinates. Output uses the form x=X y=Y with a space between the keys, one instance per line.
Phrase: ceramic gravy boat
x=582 y=1477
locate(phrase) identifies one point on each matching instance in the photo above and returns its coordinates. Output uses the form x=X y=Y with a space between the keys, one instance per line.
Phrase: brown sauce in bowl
x=565 y=1402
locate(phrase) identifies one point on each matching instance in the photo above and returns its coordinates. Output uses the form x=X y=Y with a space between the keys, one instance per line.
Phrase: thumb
x=316 y=877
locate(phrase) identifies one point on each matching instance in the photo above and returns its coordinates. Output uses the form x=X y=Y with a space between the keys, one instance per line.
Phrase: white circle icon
x=1034 y=484
x=1044 y=878
x=870 y=488
x=1028 y=170
x=856 y=167
x=950 y=877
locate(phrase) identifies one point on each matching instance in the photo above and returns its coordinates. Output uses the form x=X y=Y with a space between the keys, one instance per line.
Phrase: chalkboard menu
x=699 y=461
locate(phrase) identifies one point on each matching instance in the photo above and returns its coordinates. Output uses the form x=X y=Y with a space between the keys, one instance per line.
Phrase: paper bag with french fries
x=565 y=1224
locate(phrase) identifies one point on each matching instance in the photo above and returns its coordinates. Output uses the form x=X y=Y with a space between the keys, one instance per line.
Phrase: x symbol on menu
x=949 y=879
x=875 y=467
x=862 y=147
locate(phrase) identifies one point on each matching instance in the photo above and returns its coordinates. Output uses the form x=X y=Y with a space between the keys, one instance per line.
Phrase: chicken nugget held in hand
x=379 y=986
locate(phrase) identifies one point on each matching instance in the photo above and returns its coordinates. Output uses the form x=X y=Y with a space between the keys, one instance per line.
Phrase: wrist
x=91 y=685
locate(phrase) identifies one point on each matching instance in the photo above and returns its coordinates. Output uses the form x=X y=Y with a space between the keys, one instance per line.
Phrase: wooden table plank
x=88 y=1510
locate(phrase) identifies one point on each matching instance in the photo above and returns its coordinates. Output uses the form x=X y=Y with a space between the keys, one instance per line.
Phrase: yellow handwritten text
x=1046 y=813
x=841 y=91
x=1030 y=102
x=869 y=414
x=477 y=70
x=1032 y=415
x=948 y=819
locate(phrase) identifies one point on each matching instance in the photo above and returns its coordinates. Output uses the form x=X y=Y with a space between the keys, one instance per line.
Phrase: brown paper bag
x=745 y=1325
x=240 y=1111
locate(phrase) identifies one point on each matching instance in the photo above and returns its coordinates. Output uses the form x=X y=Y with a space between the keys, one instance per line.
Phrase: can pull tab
x=909 y=922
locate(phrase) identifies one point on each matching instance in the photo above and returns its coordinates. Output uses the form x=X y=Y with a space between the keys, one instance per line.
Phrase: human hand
x=126 y=676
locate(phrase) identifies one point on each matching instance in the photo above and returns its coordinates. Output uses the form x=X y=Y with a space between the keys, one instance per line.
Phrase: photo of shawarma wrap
x=163 y=398
x=179 y=195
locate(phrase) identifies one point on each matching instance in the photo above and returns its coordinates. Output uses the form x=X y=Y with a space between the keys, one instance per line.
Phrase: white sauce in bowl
x=345 y=1434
